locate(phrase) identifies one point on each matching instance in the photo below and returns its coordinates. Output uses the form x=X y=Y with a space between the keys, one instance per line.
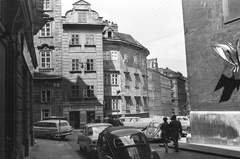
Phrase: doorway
x=74 y=119
x=90 y=116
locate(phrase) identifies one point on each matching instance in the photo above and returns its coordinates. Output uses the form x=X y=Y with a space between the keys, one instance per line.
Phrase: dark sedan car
x=124 y=143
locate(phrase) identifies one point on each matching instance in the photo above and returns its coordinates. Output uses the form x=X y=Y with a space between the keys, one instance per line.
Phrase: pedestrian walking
x=98 y=120
x=117 y=122
x=110 y=119
x=175 y=131
x=165 y=127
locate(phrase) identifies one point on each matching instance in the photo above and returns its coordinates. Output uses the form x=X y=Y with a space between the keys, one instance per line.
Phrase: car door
x=103 y=148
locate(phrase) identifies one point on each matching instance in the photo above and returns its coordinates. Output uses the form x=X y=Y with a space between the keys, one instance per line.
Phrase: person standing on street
x=110 y=119
x=98 y=120
x=165 y=127
x=175 y=131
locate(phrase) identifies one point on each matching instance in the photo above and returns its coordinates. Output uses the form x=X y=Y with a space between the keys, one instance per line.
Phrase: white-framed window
x=46 y=30
x=45 y=113
x=75 y=65
x=114 y=104
x=90 y=65
x=74 y=39
x=45 y=96
x=82 y=17
x=107 y=79
x=90 y=91
x=46 y=5
x=89 y=39
x=114 y=55
x=45 y=59
x=114 y=79
x=75 y=91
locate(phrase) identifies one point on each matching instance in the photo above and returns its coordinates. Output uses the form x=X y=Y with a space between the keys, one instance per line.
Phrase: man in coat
x=175 y=131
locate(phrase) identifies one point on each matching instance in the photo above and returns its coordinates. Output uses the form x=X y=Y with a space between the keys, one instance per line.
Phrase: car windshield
x=95 y=130
x=154 y=124
x=134 y=139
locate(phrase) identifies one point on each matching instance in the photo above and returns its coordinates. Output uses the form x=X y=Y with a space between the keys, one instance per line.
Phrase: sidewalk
x=52 y=149
x=216 y=150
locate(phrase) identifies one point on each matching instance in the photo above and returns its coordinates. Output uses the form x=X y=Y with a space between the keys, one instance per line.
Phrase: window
x=114 y=104
x=127 y=79
x=111 y=79
x=138 y=103
x=137 y=80
x=143 y=62
x=114 y=79
x=75 y=64
x=90 y=65
x=145 y=102
x=82 y=17
x=89 y=39
x=45 y=113
x=107 y=104
x=114 y=55
x=144 y=82
x=45 y=59
x=74 y=39
x=46 y=30
x=135 y=60
x=107 y=55
x=128 y=102
x=111 y=55
x=46 y=96
x=75 y=91
x=107 y=79
x=231 y=11
x=125 y=57
x=46 y=4
x=90 y=91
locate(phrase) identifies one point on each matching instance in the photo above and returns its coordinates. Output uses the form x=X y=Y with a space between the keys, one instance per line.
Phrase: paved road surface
x=72 y=140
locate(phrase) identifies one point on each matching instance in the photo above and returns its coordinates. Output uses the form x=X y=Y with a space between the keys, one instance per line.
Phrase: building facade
x=159 y=90
x=178 y=91
x=215 y=111
x=125 y=74
x=19 y=21
x=48 y=75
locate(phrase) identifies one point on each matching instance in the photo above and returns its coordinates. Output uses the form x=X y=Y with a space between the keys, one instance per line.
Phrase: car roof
x=120 y=131
x=126 y=117
x=52 y=121
x=97 y=124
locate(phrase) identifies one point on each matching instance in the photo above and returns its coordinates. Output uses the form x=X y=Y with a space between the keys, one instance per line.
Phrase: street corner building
x=19 y=22
x=212 y=51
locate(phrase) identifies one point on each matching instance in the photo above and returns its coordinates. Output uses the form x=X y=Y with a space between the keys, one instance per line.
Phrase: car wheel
x=48 y=136
x=63 y=137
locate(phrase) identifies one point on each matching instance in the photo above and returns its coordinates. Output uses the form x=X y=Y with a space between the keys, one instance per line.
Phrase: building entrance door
x=74 y=119
x=90 y=116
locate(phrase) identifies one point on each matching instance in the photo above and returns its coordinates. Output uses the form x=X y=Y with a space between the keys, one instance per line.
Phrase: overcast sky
x=156 y=24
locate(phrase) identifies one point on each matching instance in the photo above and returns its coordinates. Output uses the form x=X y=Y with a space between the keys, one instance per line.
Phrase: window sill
x=45 y=69
x=89 y=45
x=90 y=71
x=73 y=45
x=45 y=36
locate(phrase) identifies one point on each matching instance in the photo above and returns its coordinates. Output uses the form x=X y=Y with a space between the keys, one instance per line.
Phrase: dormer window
x=109 y=34
x=82 y=18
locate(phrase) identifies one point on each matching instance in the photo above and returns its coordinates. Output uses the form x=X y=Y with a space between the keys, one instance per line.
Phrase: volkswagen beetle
x=124 y=143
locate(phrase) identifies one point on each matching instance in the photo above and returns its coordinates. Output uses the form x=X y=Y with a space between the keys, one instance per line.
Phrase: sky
x=156 y=24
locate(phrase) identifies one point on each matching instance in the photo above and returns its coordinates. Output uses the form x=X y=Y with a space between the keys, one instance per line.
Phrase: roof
x=121 y=131
x=96 y=124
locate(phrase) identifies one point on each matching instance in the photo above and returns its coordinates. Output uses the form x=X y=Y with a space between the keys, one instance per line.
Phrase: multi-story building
x=19 y=21
x=82 y=64
x=159 y=90
x=179 y=94
x=125 y=74
x=48 y=75
x=213 y=80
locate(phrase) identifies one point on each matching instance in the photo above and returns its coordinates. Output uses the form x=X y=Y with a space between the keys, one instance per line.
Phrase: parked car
x=122 y=143
x=52 y=129
x=153 y=131
x=88 y=136
x=136 y=122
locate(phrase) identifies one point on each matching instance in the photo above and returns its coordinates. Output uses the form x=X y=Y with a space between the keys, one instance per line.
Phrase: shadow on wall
x=211 y=128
